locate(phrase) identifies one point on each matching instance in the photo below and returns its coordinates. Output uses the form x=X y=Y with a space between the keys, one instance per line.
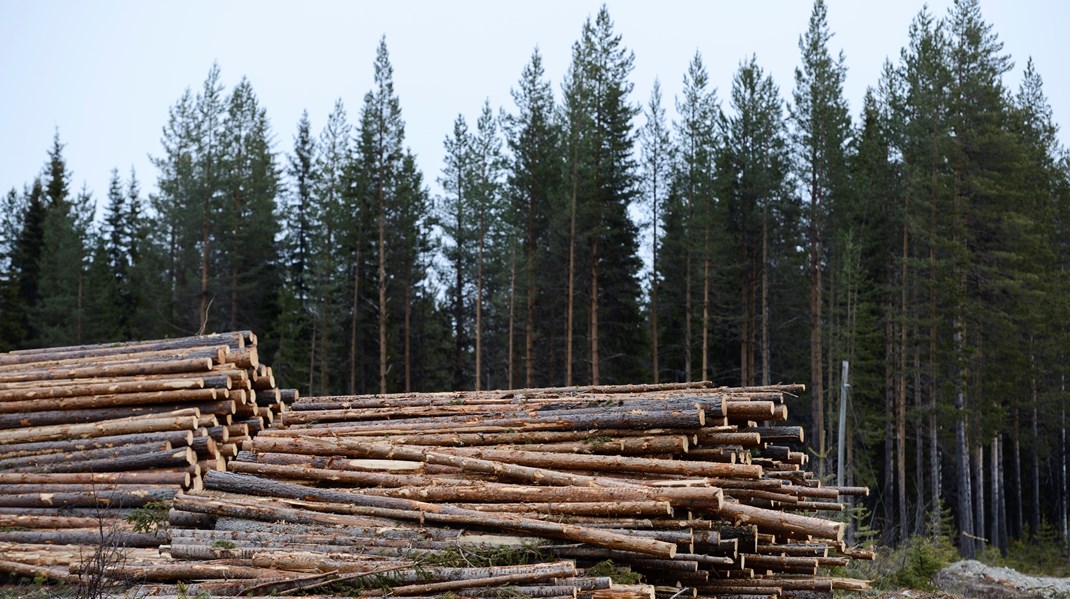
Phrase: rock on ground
x=973 y=579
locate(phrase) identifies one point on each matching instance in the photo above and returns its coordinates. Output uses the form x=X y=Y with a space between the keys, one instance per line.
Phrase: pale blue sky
x=105 y=72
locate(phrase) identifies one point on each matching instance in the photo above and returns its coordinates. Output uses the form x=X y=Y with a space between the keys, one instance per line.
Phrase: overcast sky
x=105 y=72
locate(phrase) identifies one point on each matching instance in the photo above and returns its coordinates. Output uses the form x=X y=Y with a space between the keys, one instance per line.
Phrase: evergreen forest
x=924 y=240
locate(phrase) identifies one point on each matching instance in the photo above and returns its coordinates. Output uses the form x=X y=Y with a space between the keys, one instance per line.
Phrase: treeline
x=925 y=242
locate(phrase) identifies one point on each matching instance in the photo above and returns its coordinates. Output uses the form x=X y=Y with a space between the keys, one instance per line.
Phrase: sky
x=104 y=73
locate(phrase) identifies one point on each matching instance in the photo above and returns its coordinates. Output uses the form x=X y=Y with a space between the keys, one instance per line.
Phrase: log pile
x=697 y=489
x=94 y=435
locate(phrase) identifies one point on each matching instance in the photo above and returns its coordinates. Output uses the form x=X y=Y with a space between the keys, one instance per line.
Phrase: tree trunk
x=965 y=493
x=512 y=316
x=571 y=283
x=705 y=304
x=594 y=311
x=687 y=315
x=901 y=382
x=978 y=465
x=479 y=307
x=382 y=288
x=817 y=389
x=1034 y=522
x=655 y=370
x=919 y=441
x=1019 y=519
x=354 y=319
x=529 y=300
x=994 y=532
x=888 y=497
x=407 y=332
x=765 y=293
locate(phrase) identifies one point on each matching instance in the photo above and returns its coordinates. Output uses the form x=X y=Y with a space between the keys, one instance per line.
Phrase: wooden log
x=694 y=498
x=98 y=429
x=118 y=498
x=616 y=508
x=782 y=522
x=610 y=463
x=34 y=521
x=212 y=353
x=747 y=440
x=164 y=458
x=230 y=339
x=71 y=459
x=545 y=572
x=83 y=536
x=144 y=477
x=355 y=448
x=181 y=571
x=618 y=419
x=124 y=369
x=422 y=511
x=177 y=438
x=28 y=571
x=84 y=389
x=776 y=433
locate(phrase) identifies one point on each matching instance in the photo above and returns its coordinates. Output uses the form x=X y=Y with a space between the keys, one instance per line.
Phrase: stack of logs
x=687 y=485
x=90 y=433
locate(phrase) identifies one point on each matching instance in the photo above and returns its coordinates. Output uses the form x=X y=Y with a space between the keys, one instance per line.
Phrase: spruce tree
x=295 y=294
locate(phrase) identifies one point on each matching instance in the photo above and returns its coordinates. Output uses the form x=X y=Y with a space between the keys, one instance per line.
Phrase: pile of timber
x=699 y=490
x=91 y=433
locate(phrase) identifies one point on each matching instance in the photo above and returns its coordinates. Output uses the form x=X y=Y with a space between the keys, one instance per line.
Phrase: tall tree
x=696 y=139
x=454 y=217
x=604 y=183
x=534 y=175
x=656 y=160
x=822 y=126
x=753 y=165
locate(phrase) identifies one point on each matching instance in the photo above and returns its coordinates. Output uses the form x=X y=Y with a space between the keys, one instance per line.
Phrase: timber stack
x=544 y=492
x=94 y=436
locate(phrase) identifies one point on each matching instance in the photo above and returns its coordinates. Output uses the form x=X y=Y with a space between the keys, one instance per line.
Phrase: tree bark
x=765 y=292
x=571 y=282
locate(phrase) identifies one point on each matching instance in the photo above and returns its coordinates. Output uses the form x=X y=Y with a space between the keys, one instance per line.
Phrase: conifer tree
x=753 y=164
x=696 y=141
x=656 y=160
x=534 y=177
x=603 y=177
x=821 y=130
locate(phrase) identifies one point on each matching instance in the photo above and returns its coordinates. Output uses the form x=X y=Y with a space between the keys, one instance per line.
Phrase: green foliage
x=486 y=556
x=1046 y=556
x=151 y=517
x=223 y=544
x=619 y=574
x=912 y=565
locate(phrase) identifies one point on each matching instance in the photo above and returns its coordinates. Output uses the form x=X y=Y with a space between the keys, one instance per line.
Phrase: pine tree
x=821 y=129
x=534 y=178
x=753 y=164
x=454 y=218
x=13 y=212
x=604 y=183
x=696 y=141
x=656 y=152
x=247 y=227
